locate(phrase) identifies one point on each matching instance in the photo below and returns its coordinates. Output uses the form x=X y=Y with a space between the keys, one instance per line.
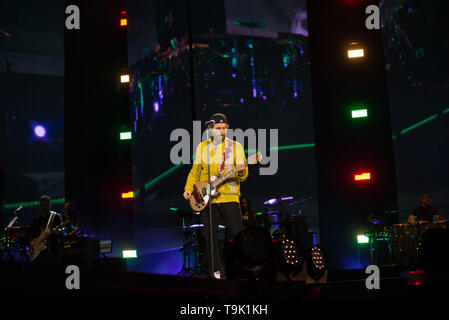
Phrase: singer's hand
x=187 y=194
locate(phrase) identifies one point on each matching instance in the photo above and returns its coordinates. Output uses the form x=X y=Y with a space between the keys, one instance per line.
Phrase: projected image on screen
x=266 y=18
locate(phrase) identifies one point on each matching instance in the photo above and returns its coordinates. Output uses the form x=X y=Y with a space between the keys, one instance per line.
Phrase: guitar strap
x=50 y=220
x=228 y=151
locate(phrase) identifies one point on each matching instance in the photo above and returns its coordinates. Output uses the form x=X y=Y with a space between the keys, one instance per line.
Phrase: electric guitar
x=40 y=243
x=200 y=195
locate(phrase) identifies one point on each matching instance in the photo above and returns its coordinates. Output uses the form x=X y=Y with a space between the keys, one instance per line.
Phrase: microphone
x=18 y=209
x=210 y=123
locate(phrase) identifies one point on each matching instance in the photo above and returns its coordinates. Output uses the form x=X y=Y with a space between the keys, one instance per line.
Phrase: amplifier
x=80 y=250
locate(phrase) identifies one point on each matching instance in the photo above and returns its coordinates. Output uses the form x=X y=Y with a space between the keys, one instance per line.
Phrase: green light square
x=360 y=113
x=125 y=135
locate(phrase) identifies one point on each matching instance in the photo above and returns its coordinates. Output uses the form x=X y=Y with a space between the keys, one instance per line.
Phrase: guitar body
x=39 y=244
x=200 y=198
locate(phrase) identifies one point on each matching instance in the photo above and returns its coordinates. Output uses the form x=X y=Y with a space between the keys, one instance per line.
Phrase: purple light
x=40 y=131
x=242 y=100
x=234 y=75
x=254 y=93
x=156 y=106
x=271 y=201
x=286 y=198
x=264 y=97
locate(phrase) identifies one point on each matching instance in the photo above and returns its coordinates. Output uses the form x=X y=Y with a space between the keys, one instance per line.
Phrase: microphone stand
x=209 y=192
x=8 y=227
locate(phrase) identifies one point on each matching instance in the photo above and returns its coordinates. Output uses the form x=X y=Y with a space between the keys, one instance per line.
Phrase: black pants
x=231 y=212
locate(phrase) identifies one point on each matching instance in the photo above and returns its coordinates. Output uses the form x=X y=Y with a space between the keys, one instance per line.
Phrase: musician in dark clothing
x=249 y=218
x=51 y=255
x=74 y=225
x=167 y=40
x=424 y=212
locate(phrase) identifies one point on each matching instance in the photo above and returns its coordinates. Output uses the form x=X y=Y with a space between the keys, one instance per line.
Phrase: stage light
x=417 y=272
x=156 y=106
x=123 y=22
x=126 y=135
x=316 y=264
x=362 y=176
x=290 y=256
x=128 y=195
x=361 y=113
x=361 y=238
x=124 y=78
x=250 y=255
x=127 y=254
x=356 y=53
x=40 y=131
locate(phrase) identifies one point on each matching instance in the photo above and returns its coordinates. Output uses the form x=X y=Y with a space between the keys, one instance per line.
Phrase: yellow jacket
x=230 y=189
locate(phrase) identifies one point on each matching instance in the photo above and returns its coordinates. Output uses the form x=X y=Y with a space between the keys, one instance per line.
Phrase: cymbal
x=301 y=200
x=277 y=200
x=283 y=199
x=249 y=24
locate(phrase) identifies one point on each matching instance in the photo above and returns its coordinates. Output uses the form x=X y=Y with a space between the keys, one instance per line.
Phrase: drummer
x=249 y=218
x=425 y=212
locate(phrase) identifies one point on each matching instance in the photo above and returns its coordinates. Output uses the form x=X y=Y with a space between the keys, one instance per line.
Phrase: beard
x=219 y=138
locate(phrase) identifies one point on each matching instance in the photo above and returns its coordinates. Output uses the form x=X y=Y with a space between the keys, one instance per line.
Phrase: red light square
x=128 y=195
x=362 y=176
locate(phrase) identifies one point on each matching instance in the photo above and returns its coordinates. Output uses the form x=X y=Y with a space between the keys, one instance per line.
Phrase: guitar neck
x=224 y=177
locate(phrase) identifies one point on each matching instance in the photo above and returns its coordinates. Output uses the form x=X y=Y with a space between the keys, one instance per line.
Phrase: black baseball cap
x=219 y=118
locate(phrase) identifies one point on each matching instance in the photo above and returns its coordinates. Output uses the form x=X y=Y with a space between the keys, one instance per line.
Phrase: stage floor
x=23 y=281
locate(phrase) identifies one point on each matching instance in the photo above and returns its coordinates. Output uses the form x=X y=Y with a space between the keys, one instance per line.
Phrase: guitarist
x=225 y=154
x=38 y=225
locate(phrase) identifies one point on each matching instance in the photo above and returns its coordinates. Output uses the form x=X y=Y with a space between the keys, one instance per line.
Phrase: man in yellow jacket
x=224 y=155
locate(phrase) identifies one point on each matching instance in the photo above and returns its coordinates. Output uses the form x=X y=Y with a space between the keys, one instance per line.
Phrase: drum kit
x=406 y=240
x=280 y=217
x=281 y=214
x=15 y=239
